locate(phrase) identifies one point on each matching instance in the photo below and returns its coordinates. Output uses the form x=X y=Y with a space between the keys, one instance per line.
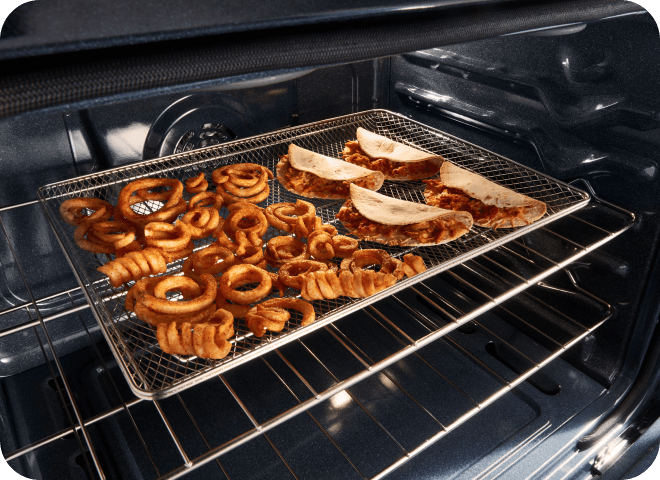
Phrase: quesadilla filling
x=354 y=154
x=437 y=195
x=433 y=231
x=306 y=182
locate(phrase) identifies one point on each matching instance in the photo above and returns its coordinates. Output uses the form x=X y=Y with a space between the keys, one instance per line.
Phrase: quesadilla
x=395 y=160
x=491 y=205
x=314 y=175
x=374 y=217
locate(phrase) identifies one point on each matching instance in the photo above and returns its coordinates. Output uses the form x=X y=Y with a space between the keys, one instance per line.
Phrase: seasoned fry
x=247 y=182
x=284 y=216
x=197 y=184
x=173 y=206
x=205 y=199
x=201 y=221
x=147 y=298
x=166 y=236
x=158 y=302
x=213 y=260
x=240 y=275
x=281 y=250
x=291 y=273
x=134 y=266
x=270 y=315
x=206 y=340
x=71 y=211
x=250 y=220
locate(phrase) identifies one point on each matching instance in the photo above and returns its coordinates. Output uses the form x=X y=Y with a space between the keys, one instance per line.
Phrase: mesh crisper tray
x=153 y=374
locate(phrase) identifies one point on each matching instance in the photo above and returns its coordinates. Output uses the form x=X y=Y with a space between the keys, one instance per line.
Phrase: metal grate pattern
x=153 y=374
x=398 y=327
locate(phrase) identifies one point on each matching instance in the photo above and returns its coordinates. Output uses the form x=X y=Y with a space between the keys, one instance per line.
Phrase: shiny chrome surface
x=153 y=374
x=410 y=331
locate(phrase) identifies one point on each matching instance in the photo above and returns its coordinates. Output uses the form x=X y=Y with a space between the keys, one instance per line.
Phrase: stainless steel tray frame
x=152 y=374
x=609 y=223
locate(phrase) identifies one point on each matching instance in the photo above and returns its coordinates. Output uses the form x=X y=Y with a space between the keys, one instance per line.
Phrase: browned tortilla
x=377 y=146
x=393 y=212
x=490 y=193
x=317 y=166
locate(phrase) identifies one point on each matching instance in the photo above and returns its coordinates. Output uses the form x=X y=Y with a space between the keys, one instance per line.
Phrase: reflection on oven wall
x=41 y=149
x=128 y=132
x=56 y=147
x=583 y=98
x=576 y=103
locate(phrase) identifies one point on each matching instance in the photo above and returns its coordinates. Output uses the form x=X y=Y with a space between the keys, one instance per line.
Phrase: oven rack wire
x=153 y=374
x=487 y=281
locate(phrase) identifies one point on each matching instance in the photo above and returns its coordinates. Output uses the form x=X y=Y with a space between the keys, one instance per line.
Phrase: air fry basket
x=153 y=374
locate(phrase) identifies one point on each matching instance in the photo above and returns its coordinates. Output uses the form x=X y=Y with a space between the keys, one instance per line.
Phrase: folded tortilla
x=322 y=173
x=391 y=216
x=395 y=160
x=515 y=209
x=377 y=146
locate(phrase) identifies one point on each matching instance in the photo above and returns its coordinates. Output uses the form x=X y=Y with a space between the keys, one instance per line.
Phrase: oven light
x=340 y=399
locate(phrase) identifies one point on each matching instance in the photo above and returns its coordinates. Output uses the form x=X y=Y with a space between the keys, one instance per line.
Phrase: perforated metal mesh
x=154 y=374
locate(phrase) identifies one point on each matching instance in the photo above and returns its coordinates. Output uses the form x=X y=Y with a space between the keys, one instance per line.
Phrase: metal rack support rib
x=265 y=426
x=369 y=369
x=408 y=346
x=261 y=428
x=65 y=382
x=152 y=374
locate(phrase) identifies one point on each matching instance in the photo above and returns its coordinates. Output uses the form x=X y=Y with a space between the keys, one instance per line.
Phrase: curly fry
x=320 y=245
x=71 y=211
x=119 y=233
x=201 y=221
x=291 y=273
x=207 y=340
x=173 y=206
x=213 y=260
x=284 y=216
x=205 y=199
x=134 y=266
x=270 y=315
x=322 y=285
x=246 y=182
x=240 y=275
x=281 y=250
x=159 y=303
x=166 y=236
x=197 y=184
x=343 y=246
x=251 y=221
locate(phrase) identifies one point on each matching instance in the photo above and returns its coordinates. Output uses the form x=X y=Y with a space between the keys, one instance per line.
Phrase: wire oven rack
x=421 y=329
x=153 y=374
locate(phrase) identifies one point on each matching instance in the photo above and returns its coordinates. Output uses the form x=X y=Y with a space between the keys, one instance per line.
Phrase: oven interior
x=482 y=371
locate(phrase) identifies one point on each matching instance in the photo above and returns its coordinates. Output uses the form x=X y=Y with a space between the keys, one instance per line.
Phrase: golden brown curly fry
x=246 y=182
x=322 y=285
x=284 y=216
x=206 y=340
x=271 y=315
x=281 y=250
x=197 y=184
x=134 y=266
x=71 y=211
x=240 y=275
